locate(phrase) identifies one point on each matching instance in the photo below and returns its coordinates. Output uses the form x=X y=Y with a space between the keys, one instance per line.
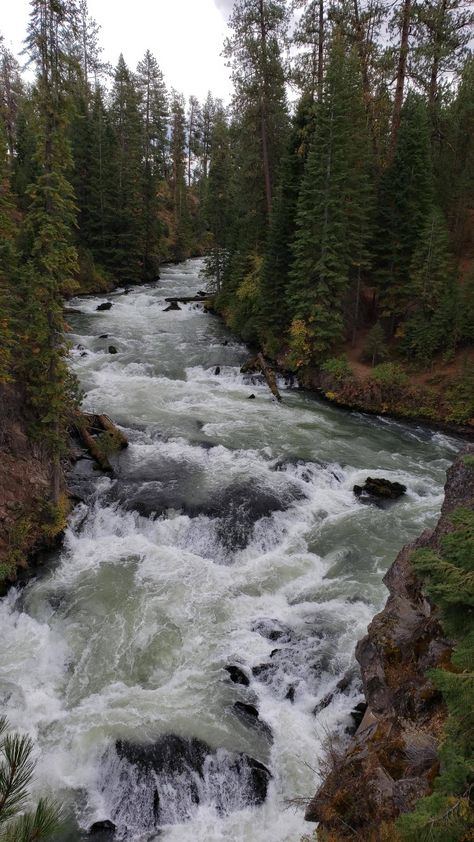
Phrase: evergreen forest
x=332 y=200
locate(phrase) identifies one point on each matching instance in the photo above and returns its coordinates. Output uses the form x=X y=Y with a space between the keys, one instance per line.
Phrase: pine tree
x=273 y=308
x=375 y=349
x=126 y=245
x=154 y=111
x=50 y=258
x=217 y=203
x=332 y=219
x=8 y=266
x=404 y=203
x=254 y=50
x=181 y=234
x=442 y=30
x=431 y=294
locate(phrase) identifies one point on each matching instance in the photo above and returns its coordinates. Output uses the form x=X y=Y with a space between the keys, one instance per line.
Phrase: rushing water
x=259 y=556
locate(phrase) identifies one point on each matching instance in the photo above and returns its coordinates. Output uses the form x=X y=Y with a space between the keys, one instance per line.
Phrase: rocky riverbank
x=392 y=760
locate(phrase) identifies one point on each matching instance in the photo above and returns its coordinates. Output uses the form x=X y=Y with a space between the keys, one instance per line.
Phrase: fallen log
x=100 y=436
x=109 y=427
x=250 y=365
x=82 y=427
x=269 y=376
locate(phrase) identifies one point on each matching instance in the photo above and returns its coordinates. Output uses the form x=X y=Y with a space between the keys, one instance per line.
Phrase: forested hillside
x=355 y=247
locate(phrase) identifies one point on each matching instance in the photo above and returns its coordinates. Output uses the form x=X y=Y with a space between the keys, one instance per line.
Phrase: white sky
x=186 y=36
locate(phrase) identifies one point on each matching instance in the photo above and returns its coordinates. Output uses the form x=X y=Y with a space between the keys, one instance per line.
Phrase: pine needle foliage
x=16 y=772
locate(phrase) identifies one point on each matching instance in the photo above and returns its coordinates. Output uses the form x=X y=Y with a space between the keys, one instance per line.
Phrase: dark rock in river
x=172 y=306
x=217 y=370
x=357 y=714
x=107 y=305
x=104 y=336
x=112 y=349
x=378 y=490
x=163 y=782
x=291 y=694
x=249 y=715
x=102 y=831
x=251 y=397
x=237 y=675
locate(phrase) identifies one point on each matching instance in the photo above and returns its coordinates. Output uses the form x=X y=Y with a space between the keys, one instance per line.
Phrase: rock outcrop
x=392 y=760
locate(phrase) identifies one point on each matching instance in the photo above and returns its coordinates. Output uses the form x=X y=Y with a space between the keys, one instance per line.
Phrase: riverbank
x=228 y=536
x=441 y=397
x=393 y=759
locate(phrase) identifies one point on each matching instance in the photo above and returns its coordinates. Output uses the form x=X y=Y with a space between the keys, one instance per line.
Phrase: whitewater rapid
x=229 y=535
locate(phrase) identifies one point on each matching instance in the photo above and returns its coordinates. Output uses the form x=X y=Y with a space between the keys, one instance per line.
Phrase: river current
x=229 y=536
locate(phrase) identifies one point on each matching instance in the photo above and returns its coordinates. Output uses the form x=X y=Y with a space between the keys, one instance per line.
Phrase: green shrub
x=389 y=374
x=337 y=367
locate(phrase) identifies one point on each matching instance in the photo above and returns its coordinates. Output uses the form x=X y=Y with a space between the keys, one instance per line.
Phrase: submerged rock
x=378 y=490
x=102 y=830
x=251 y=397
x=237 y=675
x=217 y=369
x=172 y=306
x=249 y=715
x=104 y=336
x=112 y=349
x=107 y=305
x=163 y=782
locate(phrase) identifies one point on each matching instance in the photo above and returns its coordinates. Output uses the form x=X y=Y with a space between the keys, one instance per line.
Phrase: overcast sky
x=186 y=37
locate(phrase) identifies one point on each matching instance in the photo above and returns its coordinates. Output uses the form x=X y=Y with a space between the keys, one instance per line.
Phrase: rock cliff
x=392 y=759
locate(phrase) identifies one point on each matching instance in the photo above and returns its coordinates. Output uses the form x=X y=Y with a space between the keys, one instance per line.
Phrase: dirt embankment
x=25 y=482
x=392 y=760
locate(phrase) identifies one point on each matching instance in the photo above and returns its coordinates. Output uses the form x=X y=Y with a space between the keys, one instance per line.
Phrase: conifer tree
x=274 y=314
x=154 y=112
x=181 y=232
x=254 y=50
x=431 y=293
x=8 y=265
x=217 y=203
x=404 y=202
x=332 y=219
x=126 y=245
x=50 y=256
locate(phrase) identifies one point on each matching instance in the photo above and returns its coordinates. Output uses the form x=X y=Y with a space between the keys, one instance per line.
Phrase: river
x=259 y=556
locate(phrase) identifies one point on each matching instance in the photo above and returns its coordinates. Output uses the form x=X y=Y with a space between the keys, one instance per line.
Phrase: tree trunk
x=321 y=50
x=401 y=74
x=263 y=113
x=362 y=52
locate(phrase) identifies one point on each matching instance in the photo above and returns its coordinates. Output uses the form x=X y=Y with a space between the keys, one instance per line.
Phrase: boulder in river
x=379 y=490
x=112 y=349
x=163 y=782
x=237 y=675
x=251 y=397
x=217 y=370
x=106 y=305
x=249 y=715
x=104 y=336
x=103 y=830
x=173 y=306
